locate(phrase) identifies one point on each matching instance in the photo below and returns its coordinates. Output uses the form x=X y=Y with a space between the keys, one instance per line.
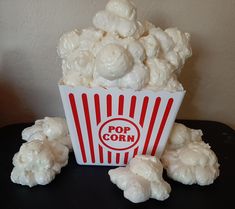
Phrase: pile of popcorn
x=186 y=158
x=120 y=51
x=44 y=154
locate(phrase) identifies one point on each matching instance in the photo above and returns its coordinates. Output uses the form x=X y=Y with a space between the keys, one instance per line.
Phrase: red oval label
x=119 y=134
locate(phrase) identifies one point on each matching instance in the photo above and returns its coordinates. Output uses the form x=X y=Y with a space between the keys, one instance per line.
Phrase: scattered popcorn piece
x=141 y=179
x=182 y=135
x=38 y=161
x=51 y=128
x=188 y=159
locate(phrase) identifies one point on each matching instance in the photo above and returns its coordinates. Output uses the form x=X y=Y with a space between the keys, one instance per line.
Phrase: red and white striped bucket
x=111 y=126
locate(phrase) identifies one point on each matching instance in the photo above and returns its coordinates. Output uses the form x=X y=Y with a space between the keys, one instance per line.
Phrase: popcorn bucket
x=111 y=126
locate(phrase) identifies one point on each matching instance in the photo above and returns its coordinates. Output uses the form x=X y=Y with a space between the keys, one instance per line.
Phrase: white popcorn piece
x=166 y=42
x=141 y=179
x=51 y=128
x=38 y=161
x=89 y=37
x=182 y=43
x=113 y=62
x=122 y=8
x=80 y=61
x=137 y=50
x=78 y=68
x=76 y=39
x=68 y=42
x=182 y=135
x=160 y=72
x=119 y=16
x=188 y=159
x=109 y=38
x=74 y=78
x=151 y=45
x=136 y=79
x=100 y=81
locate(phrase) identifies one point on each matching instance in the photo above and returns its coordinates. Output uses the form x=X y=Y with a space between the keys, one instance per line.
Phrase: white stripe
x=156 y=125
x=148 y=116
x=84 y=130
x=91 y=105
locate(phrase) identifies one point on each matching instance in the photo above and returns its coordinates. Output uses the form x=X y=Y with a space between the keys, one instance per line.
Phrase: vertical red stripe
x=143 y=110
x=109 y=113
x=120 y=105
x=88 y=124
x=126 y=157
x=151 y=124
x=162 y=125
x=132 y=106
x=117 y=158
x=135 y=151
x=101 y=154
x=78 y=127
x=98 y=119
x=109 y=157
x=109 y=105
x=97 y=108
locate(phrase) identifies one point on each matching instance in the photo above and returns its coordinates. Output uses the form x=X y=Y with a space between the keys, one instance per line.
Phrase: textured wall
x=30 y=67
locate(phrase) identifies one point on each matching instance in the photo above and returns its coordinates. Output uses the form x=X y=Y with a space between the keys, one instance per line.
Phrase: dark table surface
x=89 y=186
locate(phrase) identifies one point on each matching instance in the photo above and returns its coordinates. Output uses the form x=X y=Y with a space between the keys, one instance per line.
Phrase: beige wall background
x=30 y=67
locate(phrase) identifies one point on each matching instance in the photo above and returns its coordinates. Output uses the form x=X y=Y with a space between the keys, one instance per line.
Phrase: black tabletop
x=89 y=186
